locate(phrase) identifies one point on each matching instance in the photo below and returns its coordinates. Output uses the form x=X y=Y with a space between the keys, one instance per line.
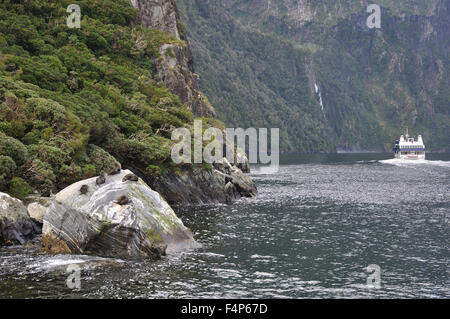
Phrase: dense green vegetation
x=256 y=79
x=259 y=61
x=73 y=101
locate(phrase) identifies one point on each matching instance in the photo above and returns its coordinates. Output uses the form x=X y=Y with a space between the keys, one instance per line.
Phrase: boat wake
x=405 y=162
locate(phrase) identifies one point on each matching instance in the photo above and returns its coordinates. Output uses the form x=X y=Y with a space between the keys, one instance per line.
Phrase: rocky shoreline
x=87 y=218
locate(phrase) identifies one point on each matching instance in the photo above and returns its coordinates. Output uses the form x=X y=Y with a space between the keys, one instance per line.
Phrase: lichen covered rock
x=96 y=224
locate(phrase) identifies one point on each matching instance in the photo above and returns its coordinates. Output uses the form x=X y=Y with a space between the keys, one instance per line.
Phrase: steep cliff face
x=175 y=67
x=159 y=14
x=362 y=85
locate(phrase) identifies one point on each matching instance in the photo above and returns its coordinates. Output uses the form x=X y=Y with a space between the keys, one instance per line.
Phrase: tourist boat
x=409 y=148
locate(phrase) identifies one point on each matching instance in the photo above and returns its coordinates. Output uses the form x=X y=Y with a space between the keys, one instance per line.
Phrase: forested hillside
x=73 y=101
x=314 y=69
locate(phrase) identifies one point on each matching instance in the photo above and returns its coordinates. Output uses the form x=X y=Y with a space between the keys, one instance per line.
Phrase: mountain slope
x=315 y=70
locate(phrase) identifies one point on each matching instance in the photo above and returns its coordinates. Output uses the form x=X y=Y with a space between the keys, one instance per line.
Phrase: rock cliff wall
x=176 y=67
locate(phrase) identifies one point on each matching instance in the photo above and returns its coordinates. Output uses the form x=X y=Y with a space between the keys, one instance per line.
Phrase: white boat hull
x=410 y=157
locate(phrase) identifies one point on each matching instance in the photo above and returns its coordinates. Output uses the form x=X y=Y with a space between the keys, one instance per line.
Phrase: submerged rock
x=95 y=224
x=16 y=226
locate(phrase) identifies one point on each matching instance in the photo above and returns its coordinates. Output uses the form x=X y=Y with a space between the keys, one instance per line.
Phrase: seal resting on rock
x=116 y=170
x=122 y=200
x=130 y=177
x=101 y=179
x=84 y=189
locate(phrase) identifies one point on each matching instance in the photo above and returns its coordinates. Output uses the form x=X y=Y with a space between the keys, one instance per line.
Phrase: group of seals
x=123 y=199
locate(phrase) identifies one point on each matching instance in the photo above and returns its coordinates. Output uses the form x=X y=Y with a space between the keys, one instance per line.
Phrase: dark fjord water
x=311 y=232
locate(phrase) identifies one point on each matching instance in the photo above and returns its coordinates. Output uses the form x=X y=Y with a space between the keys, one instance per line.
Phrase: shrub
x=88 y=171
x=5 y=127
x=46 y=71
x=13 y=148
x=32 y=137
x=101 y=159
x=47 y=110
x=38 y=173
x=47 y=133
x=69 y=175
x=52 y=155
x=153 y=170
x=19 y=188
x=7 y=165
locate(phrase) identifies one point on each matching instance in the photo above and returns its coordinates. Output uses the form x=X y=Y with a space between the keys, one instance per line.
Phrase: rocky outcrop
x=141 y=226
x=159 y=14
x=175 y=71
x=222 y=183
x=241 y=161
x=176 y=65
x=16 y=226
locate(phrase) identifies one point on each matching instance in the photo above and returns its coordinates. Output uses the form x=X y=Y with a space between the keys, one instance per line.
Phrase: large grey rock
x=95 y=224
x=16 y=226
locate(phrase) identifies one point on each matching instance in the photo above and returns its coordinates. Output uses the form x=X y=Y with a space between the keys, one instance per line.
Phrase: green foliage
x=39 y=174
x=45 y=71
x=13 y=148
x=153 y=170
x=101 y=159
x=144 y=151
x=88 y=171
x=256 y=79
x=74 y=101
x=7 y=166
x=19 y=188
